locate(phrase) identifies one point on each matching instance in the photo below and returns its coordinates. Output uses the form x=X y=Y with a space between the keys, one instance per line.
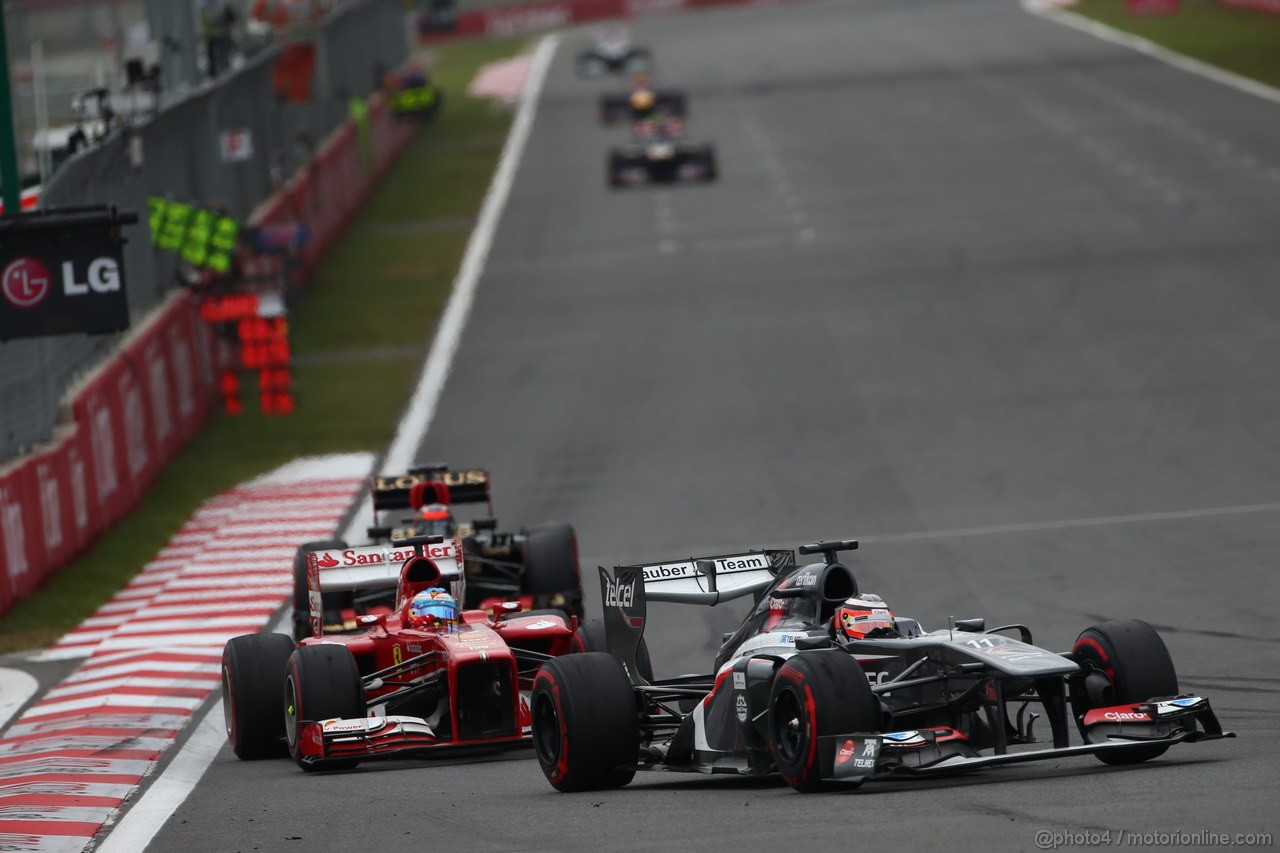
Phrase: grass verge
x=1238 y=40
x=359 y=331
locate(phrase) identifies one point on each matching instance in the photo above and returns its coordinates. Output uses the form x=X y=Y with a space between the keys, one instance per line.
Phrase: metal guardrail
x=177 y=154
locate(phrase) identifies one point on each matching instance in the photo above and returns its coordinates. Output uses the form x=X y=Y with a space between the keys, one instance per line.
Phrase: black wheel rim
x=290 y=712
x=546 y=730
x=788 y=727
x=229 y=705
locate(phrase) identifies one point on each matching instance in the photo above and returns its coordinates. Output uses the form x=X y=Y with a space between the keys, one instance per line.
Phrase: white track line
x=168 y=791
x=1177 y=60
x=1068 y=523
x=16 y=688
x=422 y=406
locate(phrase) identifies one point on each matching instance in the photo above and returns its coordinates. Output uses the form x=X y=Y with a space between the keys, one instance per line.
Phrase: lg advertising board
x=62 y=272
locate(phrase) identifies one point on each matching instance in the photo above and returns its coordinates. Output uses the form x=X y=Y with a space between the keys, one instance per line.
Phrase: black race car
x=536 y=567
x=659 y=153
x=791 y=695
x=616 y=108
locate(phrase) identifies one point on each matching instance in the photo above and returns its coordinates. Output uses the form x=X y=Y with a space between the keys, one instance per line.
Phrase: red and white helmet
x=861 y=615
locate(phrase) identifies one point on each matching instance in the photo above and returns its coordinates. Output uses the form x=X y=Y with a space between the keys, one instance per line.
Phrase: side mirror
x=809 y=644
x=972 y=626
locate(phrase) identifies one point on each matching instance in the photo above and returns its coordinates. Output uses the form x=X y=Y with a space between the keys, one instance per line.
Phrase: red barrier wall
x=121 y=424
x=533 y=17
x=135 y=411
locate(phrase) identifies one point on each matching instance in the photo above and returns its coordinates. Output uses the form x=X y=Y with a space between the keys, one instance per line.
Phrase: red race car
x=426 y=676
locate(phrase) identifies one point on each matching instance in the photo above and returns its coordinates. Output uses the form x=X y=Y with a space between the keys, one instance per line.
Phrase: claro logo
x=848 y=750
x=1125 y=716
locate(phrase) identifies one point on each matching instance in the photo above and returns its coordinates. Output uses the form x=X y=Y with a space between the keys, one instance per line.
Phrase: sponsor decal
x=25 y=282
x=619 y=594
x=542 y=624
x=449 y=478
x=804 y=579
x=1126 y=716
x=740 y=705
x=724 y=565
x=397 y=656
x=847 y=751
x=739 y=681
x=15 y=545
x=901 y=736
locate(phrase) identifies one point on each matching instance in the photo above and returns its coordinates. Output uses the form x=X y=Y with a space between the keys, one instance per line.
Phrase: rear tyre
x=586 y=730
x=1135 y=662
x=551 y=573
x=301 y=603
x=816 y=694
x=253 y=669
x=591 y=637
x=321 y=682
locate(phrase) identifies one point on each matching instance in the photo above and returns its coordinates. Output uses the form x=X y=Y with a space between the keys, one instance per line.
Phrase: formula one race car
x=824 y=686
x=653 y=157
x=406 y=684
x=613 y=53
x=536 y=566
x=618 y=107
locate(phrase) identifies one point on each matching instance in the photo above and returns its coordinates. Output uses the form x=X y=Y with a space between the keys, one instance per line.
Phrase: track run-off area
x=994 y=295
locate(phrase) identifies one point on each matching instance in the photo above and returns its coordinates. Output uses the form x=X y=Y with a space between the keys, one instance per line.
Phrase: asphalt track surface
x=969 y=277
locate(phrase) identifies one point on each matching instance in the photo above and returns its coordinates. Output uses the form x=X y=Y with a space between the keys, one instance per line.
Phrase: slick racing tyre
x=586 y=730
x=551 y=573
x=591 y=637
x=301 y=606
x=1130 y=664
x=253 y=668
x=816 y=694
x=321 y=682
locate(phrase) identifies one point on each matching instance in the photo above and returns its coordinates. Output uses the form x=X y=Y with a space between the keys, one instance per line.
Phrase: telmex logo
x=619 y=594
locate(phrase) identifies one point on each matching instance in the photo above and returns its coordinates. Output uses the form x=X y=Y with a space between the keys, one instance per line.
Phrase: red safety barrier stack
x=1271 y=7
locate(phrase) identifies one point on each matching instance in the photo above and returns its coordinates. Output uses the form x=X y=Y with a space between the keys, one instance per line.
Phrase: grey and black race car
x=613 y=53
x=659 y=153
x=533 y=568
x=792 y=693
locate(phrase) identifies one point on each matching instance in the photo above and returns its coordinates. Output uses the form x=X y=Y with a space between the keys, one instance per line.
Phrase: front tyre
x=586 y=729
x=321 y=682
x=253 y=668
x=1127 y=663
x=816 y=694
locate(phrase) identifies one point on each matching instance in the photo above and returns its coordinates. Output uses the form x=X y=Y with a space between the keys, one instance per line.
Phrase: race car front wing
x=931 y=752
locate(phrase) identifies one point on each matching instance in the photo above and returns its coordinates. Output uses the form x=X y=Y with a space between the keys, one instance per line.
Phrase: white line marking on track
x=1069 y=523
x=16 y=688
x=1155 y=51
x=426 y=396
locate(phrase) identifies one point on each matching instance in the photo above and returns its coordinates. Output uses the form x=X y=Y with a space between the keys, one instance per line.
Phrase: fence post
x=8 y=143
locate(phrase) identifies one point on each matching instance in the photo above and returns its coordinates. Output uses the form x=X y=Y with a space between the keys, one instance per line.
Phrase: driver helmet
x=859 y=616
x=641 y=100
x=433 y=609
x=434 y=512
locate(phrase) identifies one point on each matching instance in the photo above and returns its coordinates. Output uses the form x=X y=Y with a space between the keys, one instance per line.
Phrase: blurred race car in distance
x=619 y=107
x=536 y=567
x=822 y=684
x=401 y=685
x=660 y=154
x=613 y=53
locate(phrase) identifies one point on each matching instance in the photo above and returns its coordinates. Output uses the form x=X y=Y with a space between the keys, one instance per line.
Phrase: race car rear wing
x=431 y=484
x=375 y=566
x=626 y=591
